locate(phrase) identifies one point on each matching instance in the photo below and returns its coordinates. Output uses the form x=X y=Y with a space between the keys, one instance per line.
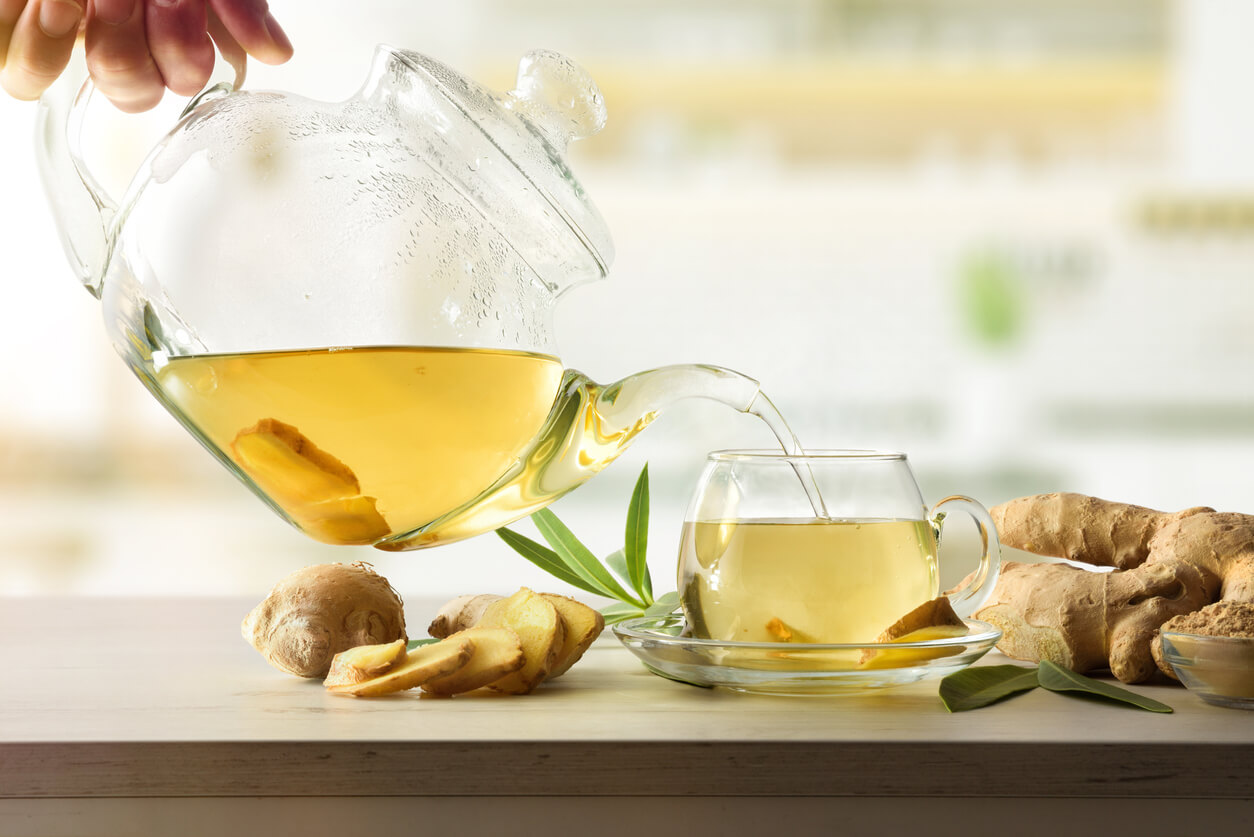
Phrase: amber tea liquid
x=804 y=580
x=355 y=444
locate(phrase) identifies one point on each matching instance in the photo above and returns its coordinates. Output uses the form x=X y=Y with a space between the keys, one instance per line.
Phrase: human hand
x=136 y=49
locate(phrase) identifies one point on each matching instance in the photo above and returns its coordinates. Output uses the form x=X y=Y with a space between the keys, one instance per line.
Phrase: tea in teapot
x=422 y=430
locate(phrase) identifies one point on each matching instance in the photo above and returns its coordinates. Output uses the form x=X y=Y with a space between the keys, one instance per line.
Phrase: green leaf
x=663 y=605
x=972 y=688
x=547 y=560
x=578 y=558
x=637 y=541
x=415 y=643
x=1058 y=679
x=620 y=611
x=617 y=561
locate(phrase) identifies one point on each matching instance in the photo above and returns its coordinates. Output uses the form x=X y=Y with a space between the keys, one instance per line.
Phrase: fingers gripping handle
x=974 y=590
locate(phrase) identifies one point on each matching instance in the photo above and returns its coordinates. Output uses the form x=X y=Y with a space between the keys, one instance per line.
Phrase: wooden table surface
x=144 y=706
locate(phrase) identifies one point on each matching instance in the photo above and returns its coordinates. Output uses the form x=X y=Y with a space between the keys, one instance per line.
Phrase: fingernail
x=114 y=12
x=277 y=34
x=58 y=18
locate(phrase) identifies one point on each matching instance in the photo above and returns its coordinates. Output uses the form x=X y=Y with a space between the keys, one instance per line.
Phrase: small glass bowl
x=793 y=668
x=1220 y=669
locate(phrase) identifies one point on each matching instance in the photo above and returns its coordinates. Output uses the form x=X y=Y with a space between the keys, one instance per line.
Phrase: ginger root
x=1166 y=564
x=315 y=613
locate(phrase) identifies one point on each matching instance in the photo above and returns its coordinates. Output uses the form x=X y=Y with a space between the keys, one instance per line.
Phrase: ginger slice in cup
x=498 y=652
x=931 y=620
x=424 y=663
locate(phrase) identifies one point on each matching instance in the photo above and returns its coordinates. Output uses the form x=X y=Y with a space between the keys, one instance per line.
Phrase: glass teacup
x=828 y=546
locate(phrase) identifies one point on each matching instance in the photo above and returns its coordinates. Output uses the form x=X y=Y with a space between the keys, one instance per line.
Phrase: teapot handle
x=83 y=210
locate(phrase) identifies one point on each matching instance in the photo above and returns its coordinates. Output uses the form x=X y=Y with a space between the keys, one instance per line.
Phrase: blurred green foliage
x=990 y=299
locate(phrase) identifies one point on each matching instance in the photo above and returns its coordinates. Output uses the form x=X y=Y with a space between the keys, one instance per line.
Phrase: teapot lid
x=506 y=152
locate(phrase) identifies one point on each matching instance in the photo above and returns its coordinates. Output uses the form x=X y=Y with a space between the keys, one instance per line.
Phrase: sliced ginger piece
x=498 y=652
x=364 y=663
x=784 y=632
x=540 y=631
x=344 y=521
x=931 y=620
x=424 y=663
x=936 y=616
x=319 y=492
x=779 y=629
x=581 y=626
x=289 y=466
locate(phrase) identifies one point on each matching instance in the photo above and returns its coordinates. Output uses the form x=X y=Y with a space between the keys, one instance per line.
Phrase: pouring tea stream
x=350 y=304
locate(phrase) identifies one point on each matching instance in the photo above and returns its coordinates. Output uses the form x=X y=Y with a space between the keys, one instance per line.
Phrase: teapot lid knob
x=557 y=97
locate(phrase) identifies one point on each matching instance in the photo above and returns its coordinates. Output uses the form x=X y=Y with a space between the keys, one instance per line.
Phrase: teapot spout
x=589 y=426
x=628 y=406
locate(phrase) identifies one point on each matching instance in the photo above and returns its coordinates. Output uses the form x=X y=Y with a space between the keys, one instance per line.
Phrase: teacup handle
x=972 y=592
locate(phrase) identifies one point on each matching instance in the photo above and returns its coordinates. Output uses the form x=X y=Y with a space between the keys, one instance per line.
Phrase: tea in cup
x=821 y=547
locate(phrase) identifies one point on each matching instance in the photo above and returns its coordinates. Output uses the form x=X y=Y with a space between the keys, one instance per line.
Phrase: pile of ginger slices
x=507 y=644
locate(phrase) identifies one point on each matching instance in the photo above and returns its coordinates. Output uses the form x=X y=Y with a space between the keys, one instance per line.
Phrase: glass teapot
x=350 y=304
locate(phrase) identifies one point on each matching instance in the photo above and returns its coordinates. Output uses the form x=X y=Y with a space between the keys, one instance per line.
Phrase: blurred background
x=1014 y=238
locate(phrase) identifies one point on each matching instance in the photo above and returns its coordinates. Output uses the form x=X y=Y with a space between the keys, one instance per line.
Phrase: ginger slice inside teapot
x=319 y=492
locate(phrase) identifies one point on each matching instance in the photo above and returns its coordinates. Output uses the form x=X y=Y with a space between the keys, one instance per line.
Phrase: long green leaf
x=1058 y=679
x=578 y=558
x=546 y=559
x=637 y=541
x=617 y=562
x=619 y=611
x=972 y=688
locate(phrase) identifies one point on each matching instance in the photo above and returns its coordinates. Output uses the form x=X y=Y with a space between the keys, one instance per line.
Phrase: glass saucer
x=793 y=668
